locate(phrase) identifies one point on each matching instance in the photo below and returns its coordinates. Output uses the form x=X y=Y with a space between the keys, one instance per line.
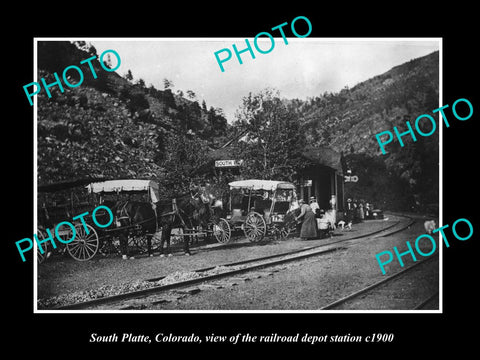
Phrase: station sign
x=349 y=178
x=228 y=163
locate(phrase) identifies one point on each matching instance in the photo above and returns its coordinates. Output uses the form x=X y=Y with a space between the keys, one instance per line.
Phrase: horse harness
x=122 y=214
x=177 y=211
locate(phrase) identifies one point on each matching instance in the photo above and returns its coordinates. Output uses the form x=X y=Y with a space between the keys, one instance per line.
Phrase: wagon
x=59 y=202
x=147 y=191
x=62 y=201
x=262 y=207
x=116 y=194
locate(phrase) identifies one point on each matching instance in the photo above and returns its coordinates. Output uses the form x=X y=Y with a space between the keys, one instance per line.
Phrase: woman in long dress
x=309 y=224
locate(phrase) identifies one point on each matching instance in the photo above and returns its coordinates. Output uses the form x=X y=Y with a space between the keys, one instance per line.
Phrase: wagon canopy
x=66 y=184
x=270 y=185
x=117 y=186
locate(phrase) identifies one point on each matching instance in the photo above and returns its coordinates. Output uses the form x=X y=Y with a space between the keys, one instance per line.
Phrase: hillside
x=348 y=121
x=386 y=100
x=110 y=126
x=116 y=127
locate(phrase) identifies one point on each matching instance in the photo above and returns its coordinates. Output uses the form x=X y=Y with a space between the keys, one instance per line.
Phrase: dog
x=430 y=225
x=343 y=225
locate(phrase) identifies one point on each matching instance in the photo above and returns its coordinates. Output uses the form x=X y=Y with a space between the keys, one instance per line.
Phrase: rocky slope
x=112 y=127
x=349 y=120
x=109 y=126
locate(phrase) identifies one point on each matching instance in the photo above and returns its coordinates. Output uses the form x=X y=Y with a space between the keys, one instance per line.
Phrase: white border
x=376 y=39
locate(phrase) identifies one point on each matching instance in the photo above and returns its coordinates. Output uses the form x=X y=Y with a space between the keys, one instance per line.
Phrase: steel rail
x=284 y=258
x=374 y=285
x=184 y=283
x=426 y=301
x=412 y=221
x=242 y=262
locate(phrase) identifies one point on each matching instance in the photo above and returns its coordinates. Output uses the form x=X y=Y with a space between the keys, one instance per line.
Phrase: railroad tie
x=189 y=291
x=214 y=286
x=165 y=298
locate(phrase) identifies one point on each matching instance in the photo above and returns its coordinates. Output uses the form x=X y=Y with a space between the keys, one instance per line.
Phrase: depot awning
x=318 y=155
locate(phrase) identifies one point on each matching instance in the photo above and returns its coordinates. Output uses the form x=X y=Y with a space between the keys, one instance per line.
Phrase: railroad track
x=155 y=286
x=350 y=301
x=377 y=233
x=431 y=298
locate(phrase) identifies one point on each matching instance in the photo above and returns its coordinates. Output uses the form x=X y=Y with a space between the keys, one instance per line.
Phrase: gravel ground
x=65 y=277
x=314 y=283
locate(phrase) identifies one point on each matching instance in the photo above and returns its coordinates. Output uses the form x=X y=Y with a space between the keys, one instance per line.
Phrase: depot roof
x=320 y=155
x=317 y=155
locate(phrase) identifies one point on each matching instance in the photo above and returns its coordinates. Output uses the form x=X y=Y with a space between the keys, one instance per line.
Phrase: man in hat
x=350 y=210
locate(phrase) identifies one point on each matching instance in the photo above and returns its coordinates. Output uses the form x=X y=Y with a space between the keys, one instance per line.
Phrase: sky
x=305 y=67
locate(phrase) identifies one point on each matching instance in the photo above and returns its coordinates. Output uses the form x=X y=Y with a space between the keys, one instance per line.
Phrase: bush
x=137 y=102
x=83 y=101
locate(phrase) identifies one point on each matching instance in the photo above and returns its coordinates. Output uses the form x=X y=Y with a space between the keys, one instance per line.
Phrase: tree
x=182 y=155
x=137 y=102
x=141 y=82
x=128 y=75
x=169 y=100
x=87 y=47
x=273 y=146
x=167 y=84
x=216 y=123
x=108 y=61
x=191 y=95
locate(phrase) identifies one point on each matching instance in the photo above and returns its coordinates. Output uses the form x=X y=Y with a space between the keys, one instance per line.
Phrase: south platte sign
x=228 y=163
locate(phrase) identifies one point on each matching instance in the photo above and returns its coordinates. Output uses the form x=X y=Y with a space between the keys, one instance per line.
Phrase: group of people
x=308 y=215
x=358 y=211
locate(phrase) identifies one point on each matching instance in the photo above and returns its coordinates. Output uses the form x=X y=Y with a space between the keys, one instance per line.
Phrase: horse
x=185 y=211
x=136 y=216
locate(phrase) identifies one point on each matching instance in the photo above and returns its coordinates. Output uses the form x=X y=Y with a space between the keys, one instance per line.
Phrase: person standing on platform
x=355 y=211
x=350 y=210
x=314 y=206
x=368 y=213
x=361 y=212
x=309 y=224
x=333 y=209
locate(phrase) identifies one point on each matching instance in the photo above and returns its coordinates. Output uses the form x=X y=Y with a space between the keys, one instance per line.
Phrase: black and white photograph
x=190 y=181
x=257 y=186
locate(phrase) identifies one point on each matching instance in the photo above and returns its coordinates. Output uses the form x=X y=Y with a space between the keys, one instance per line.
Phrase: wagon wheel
x=254 y=227
x=109 y=245
x=283 y=232
x=221 y=231
x=156 y=241
x=41 y=257
x=138 y=242
x=84 y=246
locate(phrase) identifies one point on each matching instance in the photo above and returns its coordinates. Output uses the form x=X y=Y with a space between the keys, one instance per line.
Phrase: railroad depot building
x=322 y=179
